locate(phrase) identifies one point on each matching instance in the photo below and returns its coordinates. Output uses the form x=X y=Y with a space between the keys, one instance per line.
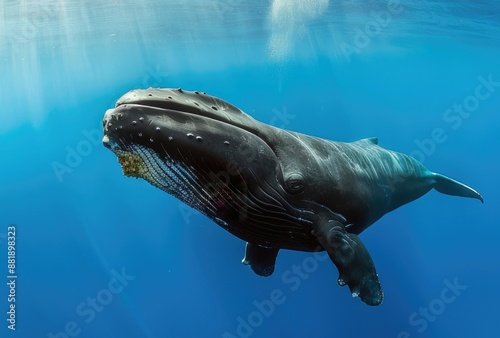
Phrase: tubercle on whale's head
x=192 y=102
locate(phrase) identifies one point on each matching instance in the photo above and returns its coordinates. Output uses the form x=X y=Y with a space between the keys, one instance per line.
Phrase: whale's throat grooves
x=173 y=177
x=263 y=218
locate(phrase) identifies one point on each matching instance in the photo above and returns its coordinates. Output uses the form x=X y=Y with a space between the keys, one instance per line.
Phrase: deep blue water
x=307 y=66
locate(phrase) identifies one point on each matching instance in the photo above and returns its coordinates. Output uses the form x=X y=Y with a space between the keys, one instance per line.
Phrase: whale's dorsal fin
x=368 y=141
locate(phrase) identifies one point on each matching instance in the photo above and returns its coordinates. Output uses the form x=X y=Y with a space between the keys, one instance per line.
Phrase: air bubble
x=190 y=135
x=341 y=282
x=157 y=129
x=134 y=122
x=198 y=138
x=226 y=143
x=170 y=138
x=140 y=134
x=141 y=119
x=150 y=140
x=355 y=294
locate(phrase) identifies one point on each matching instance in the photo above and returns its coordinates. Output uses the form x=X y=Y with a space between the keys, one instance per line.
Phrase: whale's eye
x=295 y=184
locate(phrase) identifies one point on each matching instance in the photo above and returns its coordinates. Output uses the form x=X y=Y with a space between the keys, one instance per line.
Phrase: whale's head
x=198 y=148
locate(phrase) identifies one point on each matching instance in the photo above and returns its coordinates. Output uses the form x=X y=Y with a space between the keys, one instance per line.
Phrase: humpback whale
x=273 y=188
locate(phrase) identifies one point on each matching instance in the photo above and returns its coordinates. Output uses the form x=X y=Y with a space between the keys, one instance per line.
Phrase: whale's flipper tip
x=350 y=256
x=449 y=186
x=260 y=259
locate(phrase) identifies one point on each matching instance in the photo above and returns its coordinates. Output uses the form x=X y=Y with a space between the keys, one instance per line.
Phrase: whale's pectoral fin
x=348 y=253
x=260 y=259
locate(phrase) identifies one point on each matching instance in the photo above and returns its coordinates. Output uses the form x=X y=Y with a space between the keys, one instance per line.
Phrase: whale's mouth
x=175 y=131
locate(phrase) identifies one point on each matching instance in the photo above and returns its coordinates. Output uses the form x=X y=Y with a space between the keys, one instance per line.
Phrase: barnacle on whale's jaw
x=132 y=164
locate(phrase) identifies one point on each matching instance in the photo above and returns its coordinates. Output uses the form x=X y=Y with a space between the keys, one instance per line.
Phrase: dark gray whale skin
x=273 y=188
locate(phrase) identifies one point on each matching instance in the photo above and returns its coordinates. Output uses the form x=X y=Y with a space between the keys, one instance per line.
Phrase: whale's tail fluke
x=449 y=186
